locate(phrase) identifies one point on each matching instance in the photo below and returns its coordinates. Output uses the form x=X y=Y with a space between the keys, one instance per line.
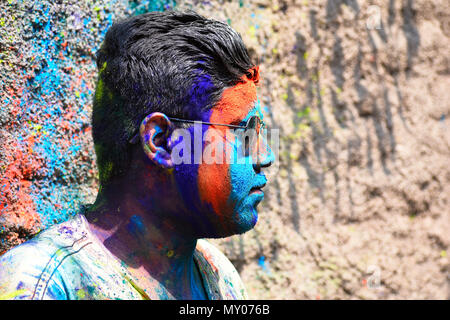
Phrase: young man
x=158 y=73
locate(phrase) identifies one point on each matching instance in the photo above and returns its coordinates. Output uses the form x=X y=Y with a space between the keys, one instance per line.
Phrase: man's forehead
x=235 y=104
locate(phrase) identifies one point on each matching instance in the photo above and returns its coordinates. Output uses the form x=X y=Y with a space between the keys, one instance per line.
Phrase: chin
x=247 y=220
x=242 y=221
x=233 y=230
x=243 y=218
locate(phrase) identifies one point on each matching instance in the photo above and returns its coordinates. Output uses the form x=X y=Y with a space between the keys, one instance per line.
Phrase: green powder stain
x=102 y=91
x=103 y=67
x=99 y=91
x=106 y=172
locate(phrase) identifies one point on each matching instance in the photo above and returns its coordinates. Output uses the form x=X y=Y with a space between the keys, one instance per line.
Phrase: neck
x=149 y=241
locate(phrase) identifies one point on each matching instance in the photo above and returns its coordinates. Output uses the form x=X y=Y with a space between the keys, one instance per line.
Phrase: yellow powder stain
x=170 y=253
x=59 y=252
x=12 y=295
x=81 y=294
x=252 y=31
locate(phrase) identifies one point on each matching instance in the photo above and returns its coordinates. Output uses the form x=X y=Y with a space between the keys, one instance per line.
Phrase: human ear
x=154 y=132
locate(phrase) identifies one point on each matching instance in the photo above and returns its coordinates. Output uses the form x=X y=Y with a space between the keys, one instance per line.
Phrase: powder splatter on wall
x=47 y=58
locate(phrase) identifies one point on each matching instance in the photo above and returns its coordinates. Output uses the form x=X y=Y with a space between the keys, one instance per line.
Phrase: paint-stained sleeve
x=21 y=271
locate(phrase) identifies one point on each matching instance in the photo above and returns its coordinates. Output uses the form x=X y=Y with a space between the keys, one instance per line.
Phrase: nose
x=267 y=159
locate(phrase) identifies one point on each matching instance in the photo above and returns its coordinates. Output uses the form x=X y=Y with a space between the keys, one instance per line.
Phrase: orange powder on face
x=235 y=104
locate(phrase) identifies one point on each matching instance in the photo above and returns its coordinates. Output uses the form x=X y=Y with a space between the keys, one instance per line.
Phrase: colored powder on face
x=136 y=225
x=233 y=107
x=199 y=94
x=235 y=103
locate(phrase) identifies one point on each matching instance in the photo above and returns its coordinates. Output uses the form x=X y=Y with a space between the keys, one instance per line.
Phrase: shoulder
x=30 y=269
x=220 y=273
x=21 y=269
x=215 y=257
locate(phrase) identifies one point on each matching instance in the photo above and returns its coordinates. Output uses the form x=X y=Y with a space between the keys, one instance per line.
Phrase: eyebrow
x=238 y=121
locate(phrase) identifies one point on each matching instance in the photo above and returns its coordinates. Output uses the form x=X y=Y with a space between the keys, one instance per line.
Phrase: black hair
x=177 y=63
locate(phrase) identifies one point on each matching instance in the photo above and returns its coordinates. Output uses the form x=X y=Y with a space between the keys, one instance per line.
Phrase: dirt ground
x=357 y=206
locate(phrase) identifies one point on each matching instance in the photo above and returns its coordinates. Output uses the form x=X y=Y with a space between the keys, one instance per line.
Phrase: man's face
x=223 y=195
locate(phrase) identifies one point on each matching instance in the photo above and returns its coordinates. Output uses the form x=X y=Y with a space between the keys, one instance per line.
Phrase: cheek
x=186 y=177
x=225 y=185
x=241 y=176
x=214 y=185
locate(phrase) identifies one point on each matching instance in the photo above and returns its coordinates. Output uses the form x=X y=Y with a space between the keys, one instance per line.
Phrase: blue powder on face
x=243 y=178
x=200 y=94
x=136 y=225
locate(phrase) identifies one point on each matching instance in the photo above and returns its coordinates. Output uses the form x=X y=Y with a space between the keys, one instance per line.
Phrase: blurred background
x=358 y=205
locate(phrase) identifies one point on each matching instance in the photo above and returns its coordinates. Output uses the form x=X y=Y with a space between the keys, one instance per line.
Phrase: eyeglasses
x=253 y=123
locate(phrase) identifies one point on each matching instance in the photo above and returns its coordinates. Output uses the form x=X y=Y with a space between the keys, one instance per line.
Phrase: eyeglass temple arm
x=134 y=139
x=208 y=123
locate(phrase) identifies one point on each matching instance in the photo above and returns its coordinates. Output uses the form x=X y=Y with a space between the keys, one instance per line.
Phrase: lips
x=257 y=188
